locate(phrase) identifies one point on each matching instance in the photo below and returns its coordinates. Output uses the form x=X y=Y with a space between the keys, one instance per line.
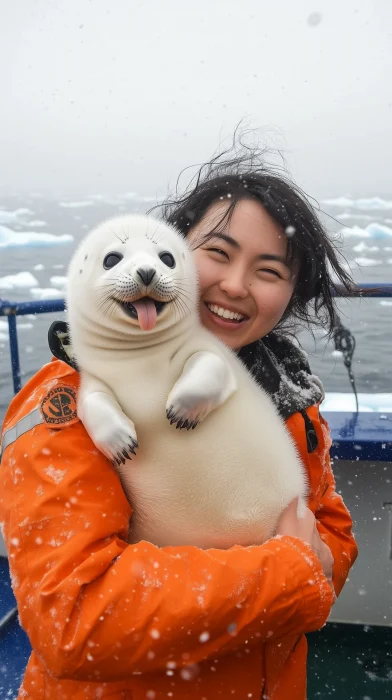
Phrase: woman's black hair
x=241 y=172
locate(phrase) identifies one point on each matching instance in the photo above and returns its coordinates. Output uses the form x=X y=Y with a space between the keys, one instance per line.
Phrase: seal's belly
x=222 y=484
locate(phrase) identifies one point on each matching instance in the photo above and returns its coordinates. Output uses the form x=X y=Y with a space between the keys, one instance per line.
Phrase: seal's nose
x=146 y=274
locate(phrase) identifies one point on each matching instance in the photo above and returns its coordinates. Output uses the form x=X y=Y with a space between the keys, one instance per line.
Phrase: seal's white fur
x=227 y=481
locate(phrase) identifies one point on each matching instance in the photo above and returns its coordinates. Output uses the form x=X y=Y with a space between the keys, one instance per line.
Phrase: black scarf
x=275 y=362
x=282 y=369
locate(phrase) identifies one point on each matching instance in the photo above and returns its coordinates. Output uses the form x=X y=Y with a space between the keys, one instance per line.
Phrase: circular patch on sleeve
x=59 y=406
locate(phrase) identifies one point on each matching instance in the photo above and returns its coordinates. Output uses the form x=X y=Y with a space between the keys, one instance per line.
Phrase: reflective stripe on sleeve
x=23 y=426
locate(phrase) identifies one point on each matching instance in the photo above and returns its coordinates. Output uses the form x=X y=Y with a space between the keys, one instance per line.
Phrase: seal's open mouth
x=144 y=310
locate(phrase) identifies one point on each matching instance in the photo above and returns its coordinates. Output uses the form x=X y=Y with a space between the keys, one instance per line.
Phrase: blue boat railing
x=367 y=435
x=12 y=309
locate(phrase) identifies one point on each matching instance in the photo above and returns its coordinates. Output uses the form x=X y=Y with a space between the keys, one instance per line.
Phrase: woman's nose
x=234 y=284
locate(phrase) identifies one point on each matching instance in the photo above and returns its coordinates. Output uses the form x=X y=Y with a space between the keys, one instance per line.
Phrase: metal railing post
x=14 y=350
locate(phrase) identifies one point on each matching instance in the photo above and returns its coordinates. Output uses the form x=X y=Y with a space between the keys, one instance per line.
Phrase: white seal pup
x=148 y=366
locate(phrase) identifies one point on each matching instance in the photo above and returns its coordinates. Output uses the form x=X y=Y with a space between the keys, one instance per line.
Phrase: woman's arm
x=97 y=608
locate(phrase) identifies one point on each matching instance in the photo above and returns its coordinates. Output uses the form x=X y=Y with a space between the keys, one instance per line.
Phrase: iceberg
x=140 y=198
x=36 y=223
x=343 y=202
x=47 y=293
x=362 y=247
x=15 y=239
x=371 y=203
x=22 y=280
x=374 y=230
x=379 y=231
x=14 y=217
x=347 y=215
x=76 y=205
x=367 y=262
x=59 y=282
x=354 y=231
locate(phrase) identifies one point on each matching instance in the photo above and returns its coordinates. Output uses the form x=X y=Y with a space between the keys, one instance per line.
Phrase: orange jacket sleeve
x=97 y=608
x=333 y=519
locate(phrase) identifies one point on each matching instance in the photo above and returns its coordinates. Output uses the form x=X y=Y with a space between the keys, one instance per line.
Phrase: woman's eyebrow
x=231 y=241
x=224 y=237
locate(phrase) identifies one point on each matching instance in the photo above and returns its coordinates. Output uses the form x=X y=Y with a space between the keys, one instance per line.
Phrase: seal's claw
x=182 y=423
x=117 y=439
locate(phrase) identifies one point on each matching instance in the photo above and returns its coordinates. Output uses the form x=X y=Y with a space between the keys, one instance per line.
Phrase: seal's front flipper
x=206 y=382
x=112 y=432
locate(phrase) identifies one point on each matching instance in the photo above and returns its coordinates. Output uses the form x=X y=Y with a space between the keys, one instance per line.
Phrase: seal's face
x=134 y=271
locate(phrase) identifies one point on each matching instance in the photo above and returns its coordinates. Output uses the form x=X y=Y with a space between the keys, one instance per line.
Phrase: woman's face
x=245 y=282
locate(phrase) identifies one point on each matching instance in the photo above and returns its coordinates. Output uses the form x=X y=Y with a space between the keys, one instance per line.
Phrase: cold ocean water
x=38 y=236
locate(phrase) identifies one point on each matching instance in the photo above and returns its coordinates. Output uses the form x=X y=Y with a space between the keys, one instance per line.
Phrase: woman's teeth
x=224 y=313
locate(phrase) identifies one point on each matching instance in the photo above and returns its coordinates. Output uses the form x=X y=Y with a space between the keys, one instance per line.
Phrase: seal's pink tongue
x=146 y=313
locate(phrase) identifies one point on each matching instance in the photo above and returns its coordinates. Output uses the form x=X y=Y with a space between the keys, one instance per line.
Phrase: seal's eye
x=112 y=259
x=167 y=259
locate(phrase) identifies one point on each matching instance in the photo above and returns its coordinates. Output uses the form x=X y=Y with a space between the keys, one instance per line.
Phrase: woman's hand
x=305 y=529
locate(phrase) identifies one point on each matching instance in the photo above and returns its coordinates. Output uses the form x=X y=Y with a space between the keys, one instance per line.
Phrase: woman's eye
x=271 y=271
x=112 y=259
x=219 y=251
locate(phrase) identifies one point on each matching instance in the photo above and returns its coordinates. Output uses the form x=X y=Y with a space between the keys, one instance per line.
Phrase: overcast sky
x=102 y=96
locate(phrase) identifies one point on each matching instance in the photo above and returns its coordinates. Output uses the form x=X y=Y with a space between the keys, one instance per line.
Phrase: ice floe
x=362 y=247
x=376 y=231
x=368 y=262
x=16 y=239
x=21 y=280
x=365 y=203
x=43 y=293
x=59 y=282
x=76 y=205
x=14 y=217
x=346 y=215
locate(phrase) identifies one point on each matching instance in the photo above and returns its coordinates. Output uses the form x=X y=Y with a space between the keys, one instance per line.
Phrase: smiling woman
x=246 y=279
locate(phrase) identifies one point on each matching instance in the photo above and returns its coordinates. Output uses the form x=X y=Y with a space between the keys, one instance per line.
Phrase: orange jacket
x=108 y=619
